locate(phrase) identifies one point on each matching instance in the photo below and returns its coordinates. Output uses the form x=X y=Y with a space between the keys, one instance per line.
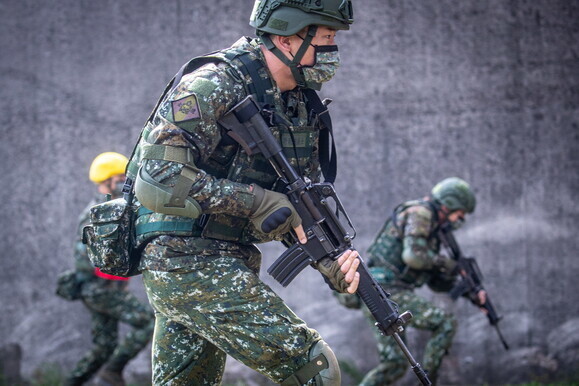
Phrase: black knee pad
x=322 y=367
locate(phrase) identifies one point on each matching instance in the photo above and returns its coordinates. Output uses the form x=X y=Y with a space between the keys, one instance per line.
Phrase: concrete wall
x=487 y=90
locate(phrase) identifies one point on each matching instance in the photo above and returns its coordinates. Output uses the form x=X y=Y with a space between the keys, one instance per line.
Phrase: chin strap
x=293 y=64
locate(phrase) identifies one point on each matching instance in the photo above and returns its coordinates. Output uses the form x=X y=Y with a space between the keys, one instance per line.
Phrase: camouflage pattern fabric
x=219 y=306
x=109 y=239
x=83 y=266
x=109 y=303
x=224 y=173
x=410 y=236
x=411 y=239
x=426 y=316
x=208 y=298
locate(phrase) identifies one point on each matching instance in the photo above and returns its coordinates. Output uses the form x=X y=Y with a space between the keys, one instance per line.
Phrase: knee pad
x=322 y=367
x=449 y=325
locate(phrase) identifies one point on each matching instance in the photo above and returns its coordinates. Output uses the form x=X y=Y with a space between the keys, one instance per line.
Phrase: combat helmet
x=455 y=194
x=288 y=17
x=106 y=165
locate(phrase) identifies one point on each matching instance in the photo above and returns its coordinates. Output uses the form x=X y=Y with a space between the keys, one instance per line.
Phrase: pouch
x=110 y=238
x=68 y=286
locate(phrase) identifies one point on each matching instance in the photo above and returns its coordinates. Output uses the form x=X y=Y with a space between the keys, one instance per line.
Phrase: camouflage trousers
x=215 y=306
x=110 y=303
x=426 y=316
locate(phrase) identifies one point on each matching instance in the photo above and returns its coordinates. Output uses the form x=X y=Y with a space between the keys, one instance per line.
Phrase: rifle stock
x=320 y=209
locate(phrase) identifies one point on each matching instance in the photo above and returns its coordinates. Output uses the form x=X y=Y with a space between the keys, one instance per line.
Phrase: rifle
x=471 y=281
x=319 y=207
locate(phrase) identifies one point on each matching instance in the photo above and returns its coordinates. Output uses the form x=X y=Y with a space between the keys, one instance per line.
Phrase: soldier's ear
x=283 y=43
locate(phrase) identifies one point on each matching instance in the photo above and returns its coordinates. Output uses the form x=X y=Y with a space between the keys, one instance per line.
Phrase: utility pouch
x=68 y=286
x=110 y=238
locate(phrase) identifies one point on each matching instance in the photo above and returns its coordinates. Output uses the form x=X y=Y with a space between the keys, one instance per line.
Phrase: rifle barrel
x=418 y=370
x=503 y=341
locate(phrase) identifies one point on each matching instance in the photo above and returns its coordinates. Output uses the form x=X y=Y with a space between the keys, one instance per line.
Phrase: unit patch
x=186 y=109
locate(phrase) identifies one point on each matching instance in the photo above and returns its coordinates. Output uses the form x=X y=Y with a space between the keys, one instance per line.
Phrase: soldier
x=106 y=296
x=205 y=202
x=406 y=255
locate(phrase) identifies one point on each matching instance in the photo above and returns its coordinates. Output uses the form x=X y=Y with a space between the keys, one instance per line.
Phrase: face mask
x=327 y=62
x=117 y=189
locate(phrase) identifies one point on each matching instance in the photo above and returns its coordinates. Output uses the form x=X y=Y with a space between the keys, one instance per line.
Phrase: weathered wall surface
x=487 y=90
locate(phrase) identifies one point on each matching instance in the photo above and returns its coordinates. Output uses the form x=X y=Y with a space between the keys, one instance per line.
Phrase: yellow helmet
x=106 y=165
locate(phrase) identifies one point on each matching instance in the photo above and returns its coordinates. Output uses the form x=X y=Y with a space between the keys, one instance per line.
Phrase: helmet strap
x=294 y=64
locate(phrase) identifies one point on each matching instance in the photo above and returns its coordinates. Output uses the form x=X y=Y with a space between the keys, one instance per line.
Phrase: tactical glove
x=444 y=264
x=272 y=212
x=333 y=274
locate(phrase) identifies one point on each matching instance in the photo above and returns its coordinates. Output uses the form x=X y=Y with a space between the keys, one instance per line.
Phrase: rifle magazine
x=289 y=264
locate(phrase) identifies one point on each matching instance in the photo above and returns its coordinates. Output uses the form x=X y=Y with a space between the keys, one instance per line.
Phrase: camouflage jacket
x=188 y=118
x=406 y=249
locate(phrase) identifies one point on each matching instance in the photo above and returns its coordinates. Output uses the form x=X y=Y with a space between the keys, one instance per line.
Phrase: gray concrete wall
x=487 y=90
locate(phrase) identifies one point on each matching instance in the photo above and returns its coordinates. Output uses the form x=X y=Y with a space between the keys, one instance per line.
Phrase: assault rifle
x=471 y=279
x=319 y=208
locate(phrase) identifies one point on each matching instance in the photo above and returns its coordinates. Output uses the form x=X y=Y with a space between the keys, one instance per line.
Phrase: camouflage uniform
x=203 y=280
x=108 y=302
x=410 y=235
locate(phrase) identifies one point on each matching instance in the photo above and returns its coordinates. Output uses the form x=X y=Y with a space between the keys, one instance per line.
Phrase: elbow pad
x=165 y=199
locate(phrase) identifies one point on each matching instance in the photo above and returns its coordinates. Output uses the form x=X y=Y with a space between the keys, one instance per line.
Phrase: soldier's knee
x=322 y=367
x=143 y=319
x=103 y=351
x=395 y=362
x=149 y=324
x=143 y=334
x=387 y=371
x=450 y=324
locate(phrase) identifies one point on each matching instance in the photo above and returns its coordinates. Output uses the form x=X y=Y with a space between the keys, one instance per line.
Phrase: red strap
x=99 y=273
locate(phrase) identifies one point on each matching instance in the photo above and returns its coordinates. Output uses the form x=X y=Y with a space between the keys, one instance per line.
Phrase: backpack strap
x=328 y=155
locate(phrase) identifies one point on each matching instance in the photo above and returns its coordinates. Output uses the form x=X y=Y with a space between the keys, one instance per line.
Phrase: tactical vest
x=387 y=250
x=298 y=133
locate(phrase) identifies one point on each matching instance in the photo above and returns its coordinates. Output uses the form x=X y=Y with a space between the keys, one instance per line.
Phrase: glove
x=444 y=264
x=333 y=274
x=273 y=213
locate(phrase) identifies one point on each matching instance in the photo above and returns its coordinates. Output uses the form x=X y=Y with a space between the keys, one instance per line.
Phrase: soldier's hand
x=444 y=264
x=274 y=214
x=341 y=273
x=482 y=299
x=349 y=263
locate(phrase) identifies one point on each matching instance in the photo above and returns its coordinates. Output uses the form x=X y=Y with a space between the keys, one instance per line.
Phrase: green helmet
x=288 y=17
x=455 y=194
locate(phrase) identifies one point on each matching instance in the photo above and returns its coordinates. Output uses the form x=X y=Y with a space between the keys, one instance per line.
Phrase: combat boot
x=110 y=378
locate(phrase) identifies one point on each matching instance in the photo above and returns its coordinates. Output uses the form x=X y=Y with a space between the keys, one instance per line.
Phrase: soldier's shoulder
x=419 y=211
x=213 y=76
x=202 y=94
x=419 y=220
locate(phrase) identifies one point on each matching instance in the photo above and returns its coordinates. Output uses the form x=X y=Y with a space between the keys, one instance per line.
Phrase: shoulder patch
x=186 y=109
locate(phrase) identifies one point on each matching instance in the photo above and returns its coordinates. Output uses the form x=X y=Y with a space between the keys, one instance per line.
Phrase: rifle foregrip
x=376 y=299
x=492 y=315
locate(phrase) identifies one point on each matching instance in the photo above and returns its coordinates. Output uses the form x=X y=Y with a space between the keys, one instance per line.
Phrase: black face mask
x=116 y=189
